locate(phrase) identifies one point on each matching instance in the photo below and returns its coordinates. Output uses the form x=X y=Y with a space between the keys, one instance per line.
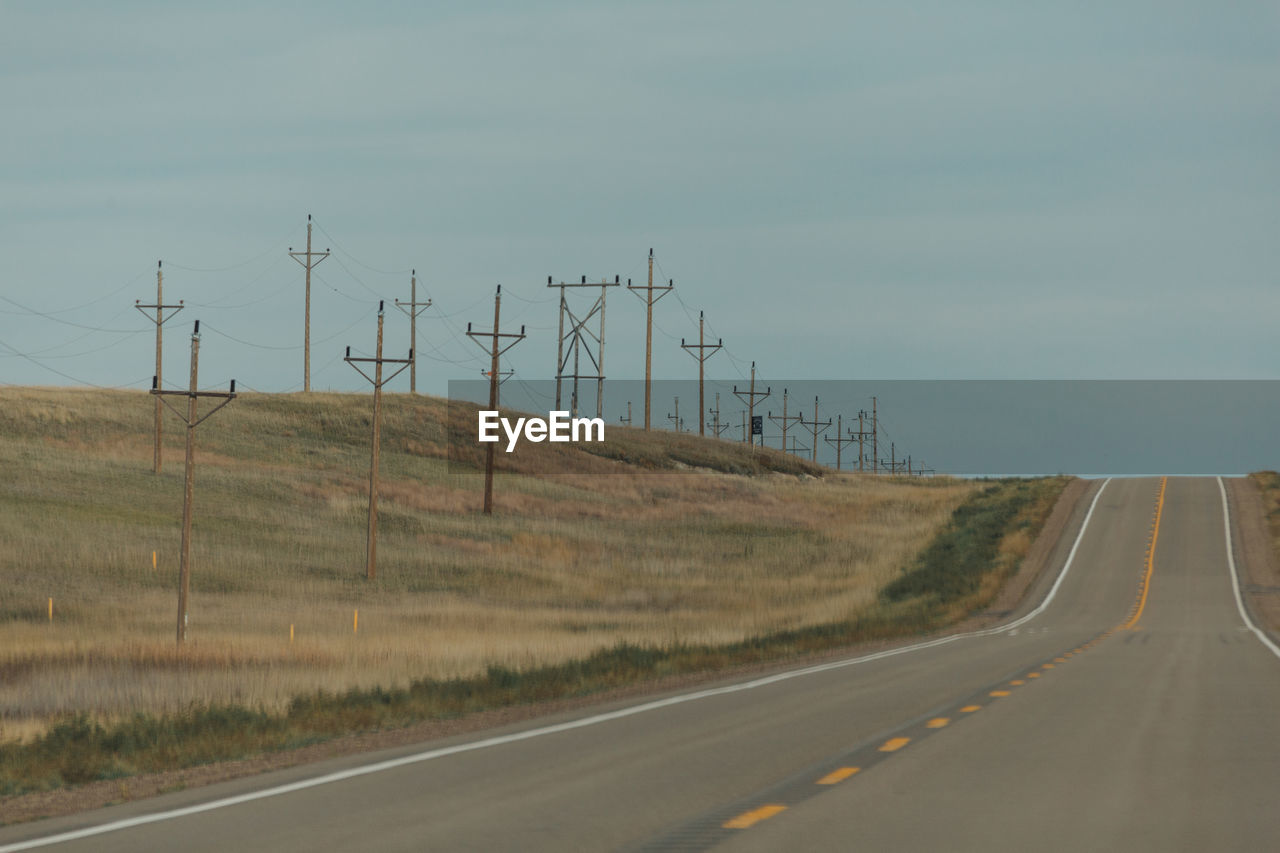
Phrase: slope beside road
x=1133 y=711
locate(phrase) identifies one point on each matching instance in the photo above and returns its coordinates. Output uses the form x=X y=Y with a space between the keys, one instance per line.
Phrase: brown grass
x=584 y=551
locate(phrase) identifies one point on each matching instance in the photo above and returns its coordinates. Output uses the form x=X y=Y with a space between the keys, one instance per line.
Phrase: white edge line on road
x=499 y=740
x=1235 y=577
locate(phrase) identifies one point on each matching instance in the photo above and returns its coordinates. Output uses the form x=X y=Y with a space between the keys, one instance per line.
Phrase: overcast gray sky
x=851 y=190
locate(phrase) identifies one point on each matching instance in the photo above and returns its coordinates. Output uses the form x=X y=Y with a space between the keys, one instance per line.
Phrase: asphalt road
x=1135 y=711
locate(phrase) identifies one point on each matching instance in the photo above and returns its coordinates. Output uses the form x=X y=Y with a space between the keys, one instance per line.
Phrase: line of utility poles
x=413 y=308
x=841 y=439
x=371 y=538
x=700 y=352
x=649 y=299
x=308 y=264
x=192 y=419
x=496 y=349
x=159 y=319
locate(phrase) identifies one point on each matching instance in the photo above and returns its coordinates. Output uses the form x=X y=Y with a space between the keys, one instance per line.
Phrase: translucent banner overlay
x=958 y=427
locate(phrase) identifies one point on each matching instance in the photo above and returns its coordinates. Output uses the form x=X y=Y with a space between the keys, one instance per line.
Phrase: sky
x=849 y=190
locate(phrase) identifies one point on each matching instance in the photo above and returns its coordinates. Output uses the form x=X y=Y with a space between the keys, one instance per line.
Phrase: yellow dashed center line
x=999 y=693
x=937 y=722
x=1151 y=556
x=838 y=775
x=894 y=744
x=1047 y=666
x=1017 y=682
x=1033 y=675
x=969 y=709
x=751 y=818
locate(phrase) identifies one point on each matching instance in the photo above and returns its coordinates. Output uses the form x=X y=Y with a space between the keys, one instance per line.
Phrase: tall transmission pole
x=496 y=349
x=862 y=434
x=371 y=537
x=841 y=439
x=627 y=419
x=577 y=338
x=159 y=320
x=306 y=259
x=816 y=427
x=649 y=299
x=699 y=351
x=785 y=421
x=192 y=419
x=413 y=308
x=749 y=397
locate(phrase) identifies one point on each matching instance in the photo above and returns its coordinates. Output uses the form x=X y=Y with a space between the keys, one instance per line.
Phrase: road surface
x=1128 y=706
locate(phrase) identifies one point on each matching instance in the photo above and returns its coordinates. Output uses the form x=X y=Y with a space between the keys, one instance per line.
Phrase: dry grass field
x=583 y=552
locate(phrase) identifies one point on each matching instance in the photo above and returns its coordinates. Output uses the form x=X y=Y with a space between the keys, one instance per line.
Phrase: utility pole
x=675 y=419
x=159 y=321
x=749 y=396
x=371 y=537
x=816 y=427
x=701 y=355
x=413 y=308
x=192 y=420
x=862 y=413
x=496 y=349
x=841 y=439
x=307 y=264
x=649 y=299
x=578 y=344
x=785 y=421
x=716 y=425
x=627 y=419
x=875 y=439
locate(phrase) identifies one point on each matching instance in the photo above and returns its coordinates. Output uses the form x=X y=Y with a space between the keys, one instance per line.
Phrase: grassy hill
x=653 y=541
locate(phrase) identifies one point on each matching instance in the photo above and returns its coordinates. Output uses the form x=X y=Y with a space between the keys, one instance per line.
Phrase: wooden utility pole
x=717 y=425
x=307 y=264
x=159 y=320
x=495 y=350
x=413 y=308
x=192 y=420
x=503 y=375
x=862 y=413
x=841 y=439
x=749 y=396
x=816 y=427
x=578 y=343
x=785 y=421
x=649 y=299
x=627 y=419
x=371 y=536
x=701 y=355
x=675 y=419
x=875 y=439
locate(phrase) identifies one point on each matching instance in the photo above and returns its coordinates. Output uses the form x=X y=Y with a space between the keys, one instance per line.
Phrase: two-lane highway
x=1078 y=728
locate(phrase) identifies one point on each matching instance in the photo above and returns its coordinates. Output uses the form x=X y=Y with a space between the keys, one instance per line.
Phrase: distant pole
x=785 y=420
x=701 y=355
x=307 y=264
x=577 y=339
x=192 y=420
x=627 y=419
x=816 y=427
x=649 y=299
x=675 y=419
x=749 y=397
x=495 y=350
x=841 y=439
x=371 y=537
x=861 y=434
x=413 y=308
x=159 y=320
x=875 y=439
